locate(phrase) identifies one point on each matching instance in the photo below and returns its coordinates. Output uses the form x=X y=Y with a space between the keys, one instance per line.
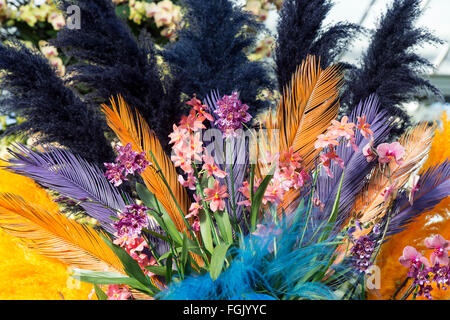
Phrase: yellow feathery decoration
x=121 y=120
x=437 y=221
x=54 y=235
x=27 y=275
x=24 y=273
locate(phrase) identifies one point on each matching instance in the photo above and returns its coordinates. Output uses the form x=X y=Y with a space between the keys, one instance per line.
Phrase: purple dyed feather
x=71 y=176
x=434 y=186
x=356 y=167
x=239 y=159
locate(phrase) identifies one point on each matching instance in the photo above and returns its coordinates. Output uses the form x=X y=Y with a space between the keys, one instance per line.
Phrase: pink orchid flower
x=117 y=292
x=211 y=168
x=390 y=151
x=195 y=208
x=368 y=152
x=216 y=196
x=440 y=246
x=412 y=256
x=343 y=128
x=189 y=182
x=324 y=140
x=178 y=136
x=178 y=160
x=414 y=187
x=390 y=191
x=191 y=123
x=364 y=127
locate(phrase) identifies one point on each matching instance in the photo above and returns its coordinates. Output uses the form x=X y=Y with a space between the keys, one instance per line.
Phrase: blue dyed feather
x=36 y=93
x=391 y=67
x=256 y=268
x=301 y=32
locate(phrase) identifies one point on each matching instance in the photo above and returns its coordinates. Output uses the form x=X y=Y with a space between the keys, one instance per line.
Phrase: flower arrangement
x=197 y=200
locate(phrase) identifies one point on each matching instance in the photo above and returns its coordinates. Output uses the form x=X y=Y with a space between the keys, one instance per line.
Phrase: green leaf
x=130 y=265
x=161 y=216
x=105 y=278
x=155 y=234
x=100 y=294
x=205 y=230
x=188 y=267
x=184 y=250
x=224 y=224
x=258 y=197
x=334 y=213
x=217 y=260
x=147 y=197
x=169 y=268
x=158 y=270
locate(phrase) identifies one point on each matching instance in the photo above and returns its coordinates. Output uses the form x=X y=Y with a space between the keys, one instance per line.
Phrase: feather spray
x=305 y=111
x=112 y=62
x=51 y=110
x=390 y=67
x=357 y=168
x=73 y=177
x=300 y=33
x=210 y=52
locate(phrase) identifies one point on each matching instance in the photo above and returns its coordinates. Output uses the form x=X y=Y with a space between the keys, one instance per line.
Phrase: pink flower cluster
x=422 y=272
x=338 y=132
x=362 y=253
x=288 y=175
x=127 y=162
x=187 y=145
x=187 y=150
x=386 y=152
x=232 y=114
x=131 y=221
x=136 y=246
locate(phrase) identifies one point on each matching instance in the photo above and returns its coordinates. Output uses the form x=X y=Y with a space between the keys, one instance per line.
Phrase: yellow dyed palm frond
x=132 y=128
x=416 y=141
x=54 y=235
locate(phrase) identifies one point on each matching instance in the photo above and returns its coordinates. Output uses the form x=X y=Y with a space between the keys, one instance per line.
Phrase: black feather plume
x=36 y=93
x=390 y=67
x=210 y=53
x=300 y=33
x=112 y=62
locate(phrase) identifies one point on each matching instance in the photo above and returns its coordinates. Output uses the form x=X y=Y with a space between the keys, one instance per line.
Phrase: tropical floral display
x=196 y=172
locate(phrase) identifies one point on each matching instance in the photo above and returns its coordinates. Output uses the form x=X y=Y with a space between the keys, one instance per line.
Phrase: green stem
x=206 y=208
x=191 y=232
x=313 y=190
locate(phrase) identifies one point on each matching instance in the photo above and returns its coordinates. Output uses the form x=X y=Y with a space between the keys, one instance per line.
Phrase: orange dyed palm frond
x=54 y=235
x=307 y=107
x=416 y=141
x=132 y=128
x=305 y=111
